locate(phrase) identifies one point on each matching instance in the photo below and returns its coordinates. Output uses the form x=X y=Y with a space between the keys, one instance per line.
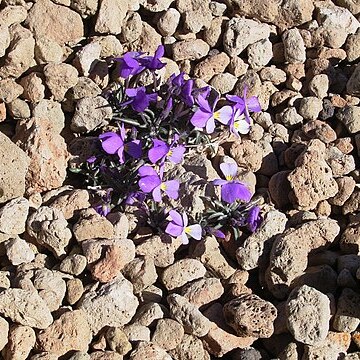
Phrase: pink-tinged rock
x=191 y=347
x=10 y=224
x=9 y=90
x=203 y=291
x=312 y=179
x=47 y=152
x=168 y=334
x=55 y=22
x=34 y=89
x=4 y=331
x=73 y=330
x=190 y=49
x=148 y=350
x=148 y=41
x=220 y=338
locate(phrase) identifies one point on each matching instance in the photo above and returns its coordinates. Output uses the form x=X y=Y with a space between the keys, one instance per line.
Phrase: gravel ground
x=75 y=285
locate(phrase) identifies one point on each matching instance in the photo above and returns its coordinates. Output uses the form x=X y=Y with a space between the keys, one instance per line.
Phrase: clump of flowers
x=154 y=127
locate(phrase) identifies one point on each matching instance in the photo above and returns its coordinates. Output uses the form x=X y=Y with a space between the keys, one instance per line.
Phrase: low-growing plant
x=156 y=125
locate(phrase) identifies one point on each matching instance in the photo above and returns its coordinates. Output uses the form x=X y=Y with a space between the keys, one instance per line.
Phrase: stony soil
x=72 y=283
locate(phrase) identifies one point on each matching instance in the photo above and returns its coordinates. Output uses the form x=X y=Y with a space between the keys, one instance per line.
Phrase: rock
x=73 y=264
x=336 y=18
x=213 y=34
x=92 y=225
x=18 y=251
x=51 y=110
x=19 y=109
x=48 y=50
x=85 y=8
x=223 y=83
x=190 y=348
x=349 y=116
x=182 y=272
x=55 y=22
x=4 y=39
x=193 y=321
x=273 y=74
x=308 y=315
x=149 y=313
x=290 y=117
x=114 y=304
x=237 y=66
x=256 y=246
x=161 y=252
x=319 y=85
x=308 y=188
x=346 y=186
x=105 y=355
x=352 y=47
x=157 y=5
x=196 y=14
x=289 y=254
x=21 y=342
x=148 y=41
x=20 y=54
x=310 y=107
x=141 y=272
x=294 y=47
x=347 y=317
x=193 y=49
x=4 y=328
x=14 y=164
x=240 y=33
x=49 y=228
x=51 y=287
x=249 y=150
x=118 y=341
x=259 y=53
x=60 y=78
x=208 y=252
x=10 y=224
x=211 y=66
x=136 y=333
x=349 y=242
x=340 y=163
x=74 y=291
x=148 y=350
x=110 y=46
x=220 y=339
x=9 y=90
x=249 y=315
x=84 y=88
x=168 y=22
x=86 y=58
x=47 y=151
x=132 y=27
x=203 y=291
x=25 y=308
x=73 y=330
x=352 y=204
x=168 y=334
x=322 y=131
x=91 y=113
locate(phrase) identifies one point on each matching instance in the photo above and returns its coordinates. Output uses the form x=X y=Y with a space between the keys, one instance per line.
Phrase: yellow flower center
x=187 y=230
x=163 y=186
x=216 y=115
x=228 y=177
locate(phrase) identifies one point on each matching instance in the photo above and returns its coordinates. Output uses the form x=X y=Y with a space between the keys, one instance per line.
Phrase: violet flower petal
x=174 y=229
x=156 y=193
x=194 y=231
x=219 y=182
x=147 y=170
x=210 y=125
x=235 y=191
x=253 y=104
x=171 y=188
x=176 y=217
x=111 y=142
x=134 y=149
x=224 y=114
x=176 y=154
x=158 y=151
x=200 y=118
x=149 y=183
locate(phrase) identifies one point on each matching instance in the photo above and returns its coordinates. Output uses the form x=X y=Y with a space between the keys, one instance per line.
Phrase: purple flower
x=205 y=115
x=104 y=207
x=91 y=159
x=178 y=226
x=135 y=197
x=231 y=190
x=162 y=151
x=153 y=62
x=129 y=64
x=245 y=104
x=186 y=92
x=150 y=181
x=254 y=218
x=139 y=99
x=112 y=143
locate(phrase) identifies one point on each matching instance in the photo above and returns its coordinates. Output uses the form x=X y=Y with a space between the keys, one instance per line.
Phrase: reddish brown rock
x=73 y=330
